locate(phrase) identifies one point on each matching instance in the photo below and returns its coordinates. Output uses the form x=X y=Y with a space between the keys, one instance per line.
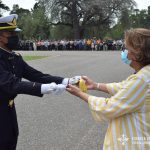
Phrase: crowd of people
x=82 y=44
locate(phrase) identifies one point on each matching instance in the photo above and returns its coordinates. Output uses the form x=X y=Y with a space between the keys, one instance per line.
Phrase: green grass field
x=28 y=58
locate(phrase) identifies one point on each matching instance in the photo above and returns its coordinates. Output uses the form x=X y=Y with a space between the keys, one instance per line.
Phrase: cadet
x=12 y=69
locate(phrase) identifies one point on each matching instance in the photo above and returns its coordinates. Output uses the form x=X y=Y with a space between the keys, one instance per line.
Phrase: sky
x=142 y=4
x=28 y=4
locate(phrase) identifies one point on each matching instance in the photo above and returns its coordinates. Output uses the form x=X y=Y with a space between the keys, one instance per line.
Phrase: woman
x=128 y=109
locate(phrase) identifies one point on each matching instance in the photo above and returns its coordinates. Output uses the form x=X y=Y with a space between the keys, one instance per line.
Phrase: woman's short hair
x=139 y=40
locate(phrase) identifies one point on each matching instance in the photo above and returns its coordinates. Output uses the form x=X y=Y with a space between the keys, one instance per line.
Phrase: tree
x=3 y=7
x=57 y=33
x=124 y=19
x=130 y=19
x=41 y=22
x=20 y=11
x=23 y=19
x=80 y=14
x=34 y=23
x=140 y=19
x=148 y=10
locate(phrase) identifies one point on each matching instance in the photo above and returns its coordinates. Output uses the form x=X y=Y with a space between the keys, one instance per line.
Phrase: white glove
x=48 y=88
x=60 y=88
x=52 y=88
x=73 y=80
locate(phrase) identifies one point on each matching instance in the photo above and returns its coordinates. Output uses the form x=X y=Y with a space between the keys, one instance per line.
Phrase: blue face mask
x=124 y=57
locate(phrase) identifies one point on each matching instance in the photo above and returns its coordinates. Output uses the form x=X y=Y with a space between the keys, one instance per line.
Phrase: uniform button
x=14 y=75
x=13 y=66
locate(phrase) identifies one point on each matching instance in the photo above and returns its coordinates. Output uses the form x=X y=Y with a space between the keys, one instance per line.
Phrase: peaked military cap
x=9 y=23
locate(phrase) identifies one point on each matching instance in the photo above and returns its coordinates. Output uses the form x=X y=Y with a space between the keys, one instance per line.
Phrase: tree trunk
x=82 y=32
x=75 y=21
x=76 y=31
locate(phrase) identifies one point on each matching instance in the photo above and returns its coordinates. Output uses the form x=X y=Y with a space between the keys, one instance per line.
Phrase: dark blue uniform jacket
x=12 y=69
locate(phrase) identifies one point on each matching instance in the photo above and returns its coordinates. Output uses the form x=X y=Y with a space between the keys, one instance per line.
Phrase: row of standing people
x=90 y=44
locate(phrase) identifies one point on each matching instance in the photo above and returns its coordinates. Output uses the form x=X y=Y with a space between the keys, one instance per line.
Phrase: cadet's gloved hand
x=48 y=88
x=73 y=80
x=52 y=88
x=60 y=88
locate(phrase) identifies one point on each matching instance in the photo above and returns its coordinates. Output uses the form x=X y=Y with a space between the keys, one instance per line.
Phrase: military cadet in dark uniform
x=12 y=69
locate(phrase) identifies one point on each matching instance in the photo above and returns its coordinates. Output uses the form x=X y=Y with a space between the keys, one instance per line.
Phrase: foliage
x=57 y=33
x=74 y=19
x=34 y=23
x=130 y=19
x=82 y=14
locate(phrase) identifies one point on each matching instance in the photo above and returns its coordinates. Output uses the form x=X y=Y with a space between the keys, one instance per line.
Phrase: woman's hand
x=74 y=90
x=77 y=92
x=91 y=85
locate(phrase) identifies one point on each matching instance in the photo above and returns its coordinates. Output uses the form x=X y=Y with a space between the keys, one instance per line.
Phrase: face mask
x=13 y=42
x=124 y=57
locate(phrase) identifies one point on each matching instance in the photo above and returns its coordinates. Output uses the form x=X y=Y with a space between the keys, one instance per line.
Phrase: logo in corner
x=124 y=139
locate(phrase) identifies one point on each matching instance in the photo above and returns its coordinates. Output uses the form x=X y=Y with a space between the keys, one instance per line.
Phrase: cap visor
x=18 y=30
